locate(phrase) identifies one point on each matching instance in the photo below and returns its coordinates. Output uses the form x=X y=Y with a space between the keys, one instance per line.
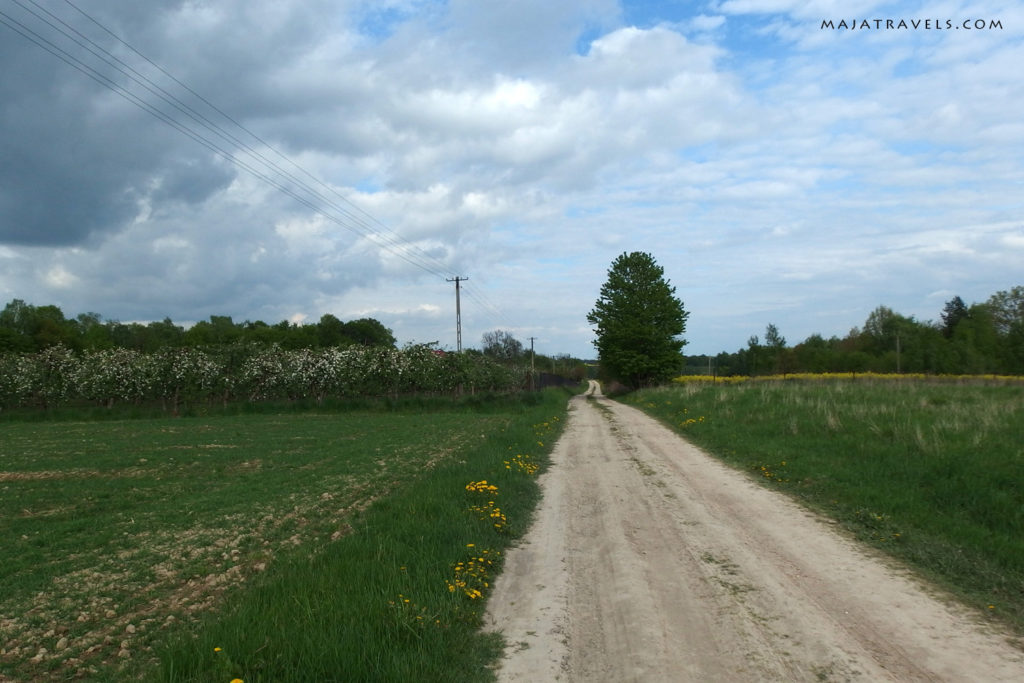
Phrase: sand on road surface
x=650 y=561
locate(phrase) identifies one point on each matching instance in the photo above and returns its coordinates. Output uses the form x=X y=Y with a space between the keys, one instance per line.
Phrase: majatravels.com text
x=912 y=24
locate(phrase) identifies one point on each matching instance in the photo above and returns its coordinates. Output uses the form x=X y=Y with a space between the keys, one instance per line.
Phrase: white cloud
x=704 y=22
x=1013 y=241
x=59 y=277
x=780 y=173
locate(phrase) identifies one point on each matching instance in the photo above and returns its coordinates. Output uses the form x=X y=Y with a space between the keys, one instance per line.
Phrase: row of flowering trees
x=183 y=375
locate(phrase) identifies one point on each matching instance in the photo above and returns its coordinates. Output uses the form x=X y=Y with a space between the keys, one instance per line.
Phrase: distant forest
x=28 y=328
x=25 y=328
x=983 y=338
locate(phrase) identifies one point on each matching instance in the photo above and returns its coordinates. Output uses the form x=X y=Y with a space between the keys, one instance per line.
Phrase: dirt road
x=650 y=561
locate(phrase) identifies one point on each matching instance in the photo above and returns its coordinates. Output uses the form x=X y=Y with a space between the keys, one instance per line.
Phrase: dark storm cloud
x=78 y=162
x=190 y=181
x=65 y=179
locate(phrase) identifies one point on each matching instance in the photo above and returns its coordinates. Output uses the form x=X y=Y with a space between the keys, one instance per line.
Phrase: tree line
x=981 y=338
x=28 y=328
x=25 y=328
x=639 y=323
x=48 y=359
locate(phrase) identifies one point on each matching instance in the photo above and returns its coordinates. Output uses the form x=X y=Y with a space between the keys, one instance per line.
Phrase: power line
x=382 y=238
x=227 y=145
x=383 y=228
x=100 y=78
x=487 y=308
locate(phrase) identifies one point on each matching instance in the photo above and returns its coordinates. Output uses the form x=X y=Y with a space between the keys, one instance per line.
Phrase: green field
x=303 y=545
x=930 y=472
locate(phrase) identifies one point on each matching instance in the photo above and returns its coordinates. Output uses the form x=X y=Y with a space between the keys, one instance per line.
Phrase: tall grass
x=932 y=473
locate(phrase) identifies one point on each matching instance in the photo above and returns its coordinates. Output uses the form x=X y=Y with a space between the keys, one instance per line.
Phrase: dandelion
x=521 y=464
x=237 y=680
x=216 y=649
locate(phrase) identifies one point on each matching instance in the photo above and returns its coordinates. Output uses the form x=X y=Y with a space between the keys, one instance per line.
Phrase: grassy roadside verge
x=401 y=597
x=930 y=473
x=302 y=546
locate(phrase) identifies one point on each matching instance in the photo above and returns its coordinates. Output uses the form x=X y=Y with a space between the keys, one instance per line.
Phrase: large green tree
x=639 y=322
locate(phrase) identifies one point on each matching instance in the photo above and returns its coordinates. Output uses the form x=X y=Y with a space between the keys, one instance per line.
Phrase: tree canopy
x=501 y=345
x=27 y=328
x=639 y=323
x=980 y=338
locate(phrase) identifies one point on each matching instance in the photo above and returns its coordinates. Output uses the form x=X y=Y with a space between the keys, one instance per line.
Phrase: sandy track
x=650 y=561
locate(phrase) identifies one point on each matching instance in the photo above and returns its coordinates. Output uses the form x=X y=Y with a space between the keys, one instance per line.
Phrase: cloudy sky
x=282 y=159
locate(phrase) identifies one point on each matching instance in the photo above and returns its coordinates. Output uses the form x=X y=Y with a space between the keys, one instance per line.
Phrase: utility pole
x=533 y=373
x=458 y=313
